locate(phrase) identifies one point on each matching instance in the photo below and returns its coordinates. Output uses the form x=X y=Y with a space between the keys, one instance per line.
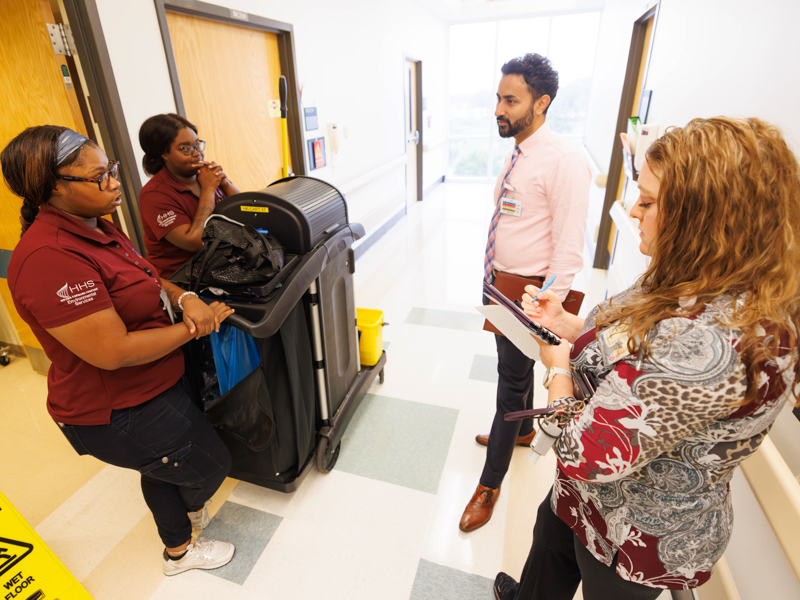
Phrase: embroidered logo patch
x=166 y=219
x=78 y=294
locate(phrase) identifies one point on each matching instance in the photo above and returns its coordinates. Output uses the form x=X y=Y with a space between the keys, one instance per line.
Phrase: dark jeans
x=558 y=562
x=178 y=453
x=514 y=393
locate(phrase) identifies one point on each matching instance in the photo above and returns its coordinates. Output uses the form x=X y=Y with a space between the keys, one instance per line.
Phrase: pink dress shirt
x=551 y=179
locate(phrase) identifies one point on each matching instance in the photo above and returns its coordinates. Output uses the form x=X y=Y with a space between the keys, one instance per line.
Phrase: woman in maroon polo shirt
x=103 y=317
x=182 y=194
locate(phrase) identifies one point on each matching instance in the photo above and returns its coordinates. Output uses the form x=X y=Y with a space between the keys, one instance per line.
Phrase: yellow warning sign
x=28 y=569
x=244 y=208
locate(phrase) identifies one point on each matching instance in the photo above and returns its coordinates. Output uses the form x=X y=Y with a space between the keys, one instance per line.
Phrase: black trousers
x=558 y=562
x=181 y=458
x=514 y=393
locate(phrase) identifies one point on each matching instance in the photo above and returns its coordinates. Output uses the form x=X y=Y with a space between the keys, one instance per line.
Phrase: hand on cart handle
x=201 y=318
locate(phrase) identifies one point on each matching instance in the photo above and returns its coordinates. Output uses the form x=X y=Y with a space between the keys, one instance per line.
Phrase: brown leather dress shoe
x=480 y=507
x=523 y=440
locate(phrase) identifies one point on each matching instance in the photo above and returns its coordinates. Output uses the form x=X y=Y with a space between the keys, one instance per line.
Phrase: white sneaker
x=200 y=555
x=200 y=518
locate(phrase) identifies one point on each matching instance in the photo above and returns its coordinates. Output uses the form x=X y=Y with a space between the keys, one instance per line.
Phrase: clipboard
x=513 y=286
x=539 y=331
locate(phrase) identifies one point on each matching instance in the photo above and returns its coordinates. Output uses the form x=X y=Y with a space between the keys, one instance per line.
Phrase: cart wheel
x=326 y=459
x=380 y=376
x=4 y=360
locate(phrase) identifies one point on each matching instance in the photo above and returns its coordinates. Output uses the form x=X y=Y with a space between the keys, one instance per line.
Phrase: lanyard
x=165 y=303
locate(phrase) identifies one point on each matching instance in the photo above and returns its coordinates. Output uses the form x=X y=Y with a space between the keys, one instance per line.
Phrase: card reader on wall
x=647 y=135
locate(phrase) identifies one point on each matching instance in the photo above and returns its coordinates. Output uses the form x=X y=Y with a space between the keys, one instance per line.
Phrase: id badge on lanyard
x=167 y=305
x=509 y=205
x=614 y=343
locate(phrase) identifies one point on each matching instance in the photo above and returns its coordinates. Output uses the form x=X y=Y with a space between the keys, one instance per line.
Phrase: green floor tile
x=398 y=441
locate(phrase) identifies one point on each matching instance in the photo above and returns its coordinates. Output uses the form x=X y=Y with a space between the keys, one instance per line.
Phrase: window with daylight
x=478 y=50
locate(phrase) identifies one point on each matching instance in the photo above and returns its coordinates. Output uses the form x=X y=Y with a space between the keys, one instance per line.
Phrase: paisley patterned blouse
x=644 y=471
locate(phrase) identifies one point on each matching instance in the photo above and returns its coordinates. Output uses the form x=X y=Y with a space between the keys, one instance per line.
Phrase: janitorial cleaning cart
x=310 y=381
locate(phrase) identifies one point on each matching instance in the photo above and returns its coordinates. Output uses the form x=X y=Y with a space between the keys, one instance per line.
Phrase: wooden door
x=412 y=135
x=33 y=91
x=228 y=75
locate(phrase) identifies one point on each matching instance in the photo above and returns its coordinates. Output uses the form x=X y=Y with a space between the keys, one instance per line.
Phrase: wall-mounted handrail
x=778 y=493
x=359 y=182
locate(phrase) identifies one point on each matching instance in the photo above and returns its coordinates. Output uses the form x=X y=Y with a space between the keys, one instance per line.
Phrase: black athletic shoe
x=505 y=588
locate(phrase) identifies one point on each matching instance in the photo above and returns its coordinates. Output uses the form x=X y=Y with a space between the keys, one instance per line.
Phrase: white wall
x=611 y=58
x=727 y=57
x=713 y=57
x=350 y=62
x=709 y=58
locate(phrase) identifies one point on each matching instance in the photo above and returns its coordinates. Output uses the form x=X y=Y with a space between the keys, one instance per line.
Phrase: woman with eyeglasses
x=182 y=194
x=103 y=317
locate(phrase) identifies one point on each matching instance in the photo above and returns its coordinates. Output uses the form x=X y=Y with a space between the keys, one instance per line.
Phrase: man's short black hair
x=538 y=74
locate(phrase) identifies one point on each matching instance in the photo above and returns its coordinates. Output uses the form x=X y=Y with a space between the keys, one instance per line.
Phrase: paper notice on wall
x=274 y=109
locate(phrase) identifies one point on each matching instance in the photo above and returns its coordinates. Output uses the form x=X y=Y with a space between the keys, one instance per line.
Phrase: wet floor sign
x=28 y=569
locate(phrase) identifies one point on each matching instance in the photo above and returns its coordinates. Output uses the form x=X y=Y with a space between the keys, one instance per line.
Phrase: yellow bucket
x=370 y=344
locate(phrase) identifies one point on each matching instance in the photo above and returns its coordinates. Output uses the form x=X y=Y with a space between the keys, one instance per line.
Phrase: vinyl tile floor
x=384 y=523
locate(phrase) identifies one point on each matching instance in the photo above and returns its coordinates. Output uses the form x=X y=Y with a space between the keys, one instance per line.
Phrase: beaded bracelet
x=180 y=299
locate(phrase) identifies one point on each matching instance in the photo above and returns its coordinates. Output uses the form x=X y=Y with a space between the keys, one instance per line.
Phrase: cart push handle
x=295 y=286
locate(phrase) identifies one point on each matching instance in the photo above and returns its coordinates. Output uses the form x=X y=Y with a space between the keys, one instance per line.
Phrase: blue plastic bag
x=235 y=355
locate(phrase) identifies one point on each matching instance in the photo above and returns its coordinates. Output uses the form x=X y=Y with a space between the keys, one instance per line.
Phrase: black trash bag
x=245 y=412
x=234 y=254
x=201 y=378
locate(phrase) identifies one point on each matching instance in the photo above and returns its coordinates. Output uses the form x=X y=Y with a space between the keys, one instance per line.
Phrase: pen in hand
x=544 y=287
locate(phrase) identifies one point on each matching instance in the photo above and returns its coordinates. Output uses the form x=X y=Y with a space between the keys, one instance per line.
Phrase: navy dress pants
x=558 y=562
x=514 y=393
x=181 y=458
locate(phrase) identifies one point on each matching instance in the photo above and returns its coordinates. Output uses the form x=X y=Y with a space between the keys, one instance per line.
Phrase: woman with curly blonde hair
x=695 y=362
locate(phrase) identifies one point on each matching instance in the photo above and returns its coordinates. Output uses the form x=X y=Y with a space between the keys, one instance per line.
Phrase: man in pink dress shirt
x=538 y=231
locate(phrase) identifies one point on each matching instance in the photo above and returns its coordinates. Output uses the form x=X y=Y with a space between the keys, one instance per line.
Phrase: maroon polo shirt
x=165 y=203
x=62 y=271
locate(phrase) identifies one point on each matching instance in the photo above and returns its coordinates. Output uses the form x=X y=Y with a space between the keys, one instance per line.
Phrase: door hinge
x=61 y=37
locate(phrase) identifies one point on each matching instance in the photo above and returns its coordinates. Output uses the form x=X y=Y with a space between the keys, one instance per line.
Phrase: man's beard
x=517 y=127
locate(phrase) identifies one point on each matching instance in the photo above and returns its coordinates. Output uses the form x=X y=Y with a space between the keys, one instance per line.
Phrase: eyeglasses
x=102 y=181
x=187 y=149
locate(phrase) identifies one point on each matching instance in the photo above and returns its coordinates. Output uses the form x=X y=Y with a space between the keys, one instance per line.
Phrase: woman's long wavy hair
x=728 y=223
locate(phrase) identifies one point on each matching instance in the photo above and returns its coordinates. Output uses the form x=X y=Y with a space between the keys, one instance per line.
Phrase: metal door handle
x=414 y=139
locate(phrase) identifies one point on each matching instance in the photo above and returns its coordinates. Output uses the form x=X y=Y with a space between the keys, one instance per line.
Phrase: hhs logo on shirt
x=77 y=294
x=167 y=219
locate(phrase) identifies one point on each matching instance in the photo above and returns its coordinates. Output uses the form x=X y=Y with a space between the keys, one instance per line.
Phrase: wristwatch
x=551 y=373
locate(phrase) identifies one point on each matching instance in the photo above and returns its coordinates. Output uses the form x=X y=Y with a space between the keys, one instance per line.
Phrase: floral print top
x=644 y=470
